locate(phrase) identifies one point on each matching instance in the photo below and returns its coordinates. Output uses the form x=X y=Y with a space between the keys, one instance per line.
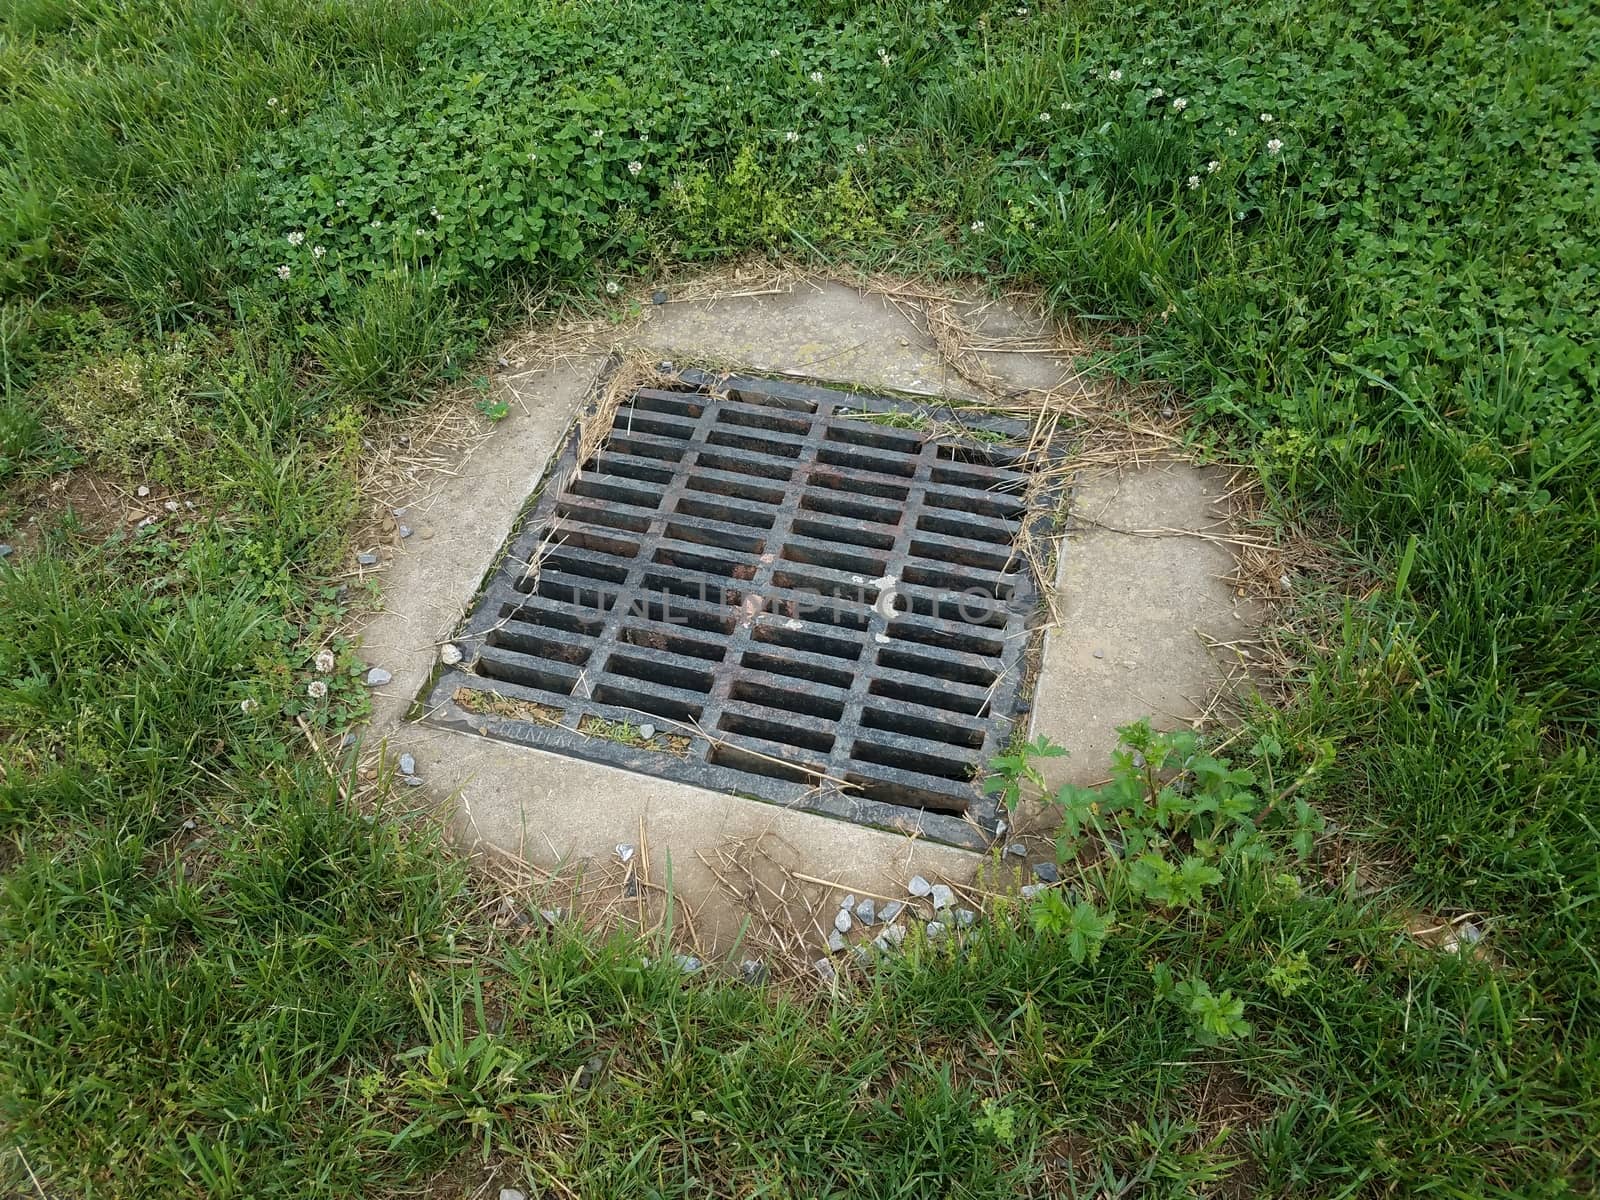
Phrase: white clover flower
x=1158 y=93
x=248 y=705
x=1274 y=145
x=324 y=660
x=884 y=57
x=1181 y=103
x=339 y=203
x=1213 y=167
x=318 y=251
x=861 y=147
x=773 y=53
x=1146 y=61
x=272 y=102
x=1194 y=182
x=791 y=136
x=1022 y=10
x=1232 y=132
x=283 y=271
x=434 y=212
x=598 y=134
x=1115 y=75
x=612 y=287
x=316 y=689
x=1044 y=116
x=976 y=227
x=635 y=167
x=815 y=77
x=644 y=139
x=296 y=238
x=1266 y=118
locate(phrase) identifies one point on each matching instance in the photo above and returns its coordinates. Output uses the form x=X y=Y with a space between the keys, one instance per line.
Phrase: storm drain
x=784 y=591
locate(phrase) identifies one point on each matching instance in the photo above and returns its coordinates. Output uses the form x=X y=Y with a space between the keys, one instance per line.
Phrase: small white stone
x=141 y=491
x=449 y=654
x=624 y=851
x=647 y=732
x=512 y=1194
x=918 y=886
x=943 y=897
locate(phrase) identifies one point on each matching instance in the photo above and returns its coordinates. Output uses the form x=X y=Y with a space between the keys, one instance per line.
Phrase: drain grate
x=809 y=607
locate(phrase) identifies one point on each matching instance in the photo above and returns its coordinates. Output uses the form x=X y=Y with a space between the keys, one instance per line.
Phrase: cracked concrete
x=1126 y=648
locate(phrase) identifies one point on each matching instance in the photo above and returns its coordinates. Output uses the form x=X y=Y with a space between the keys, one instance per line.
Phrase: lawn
x=1356 y=242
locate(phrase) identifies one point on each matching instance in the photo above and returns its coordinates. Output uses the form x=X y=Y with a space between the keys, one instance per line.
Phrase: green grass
x=218 y=979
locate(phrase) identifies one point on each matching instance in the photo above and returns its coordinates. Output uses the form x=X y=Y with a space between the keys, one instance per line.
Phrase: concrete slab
x=1134 y=600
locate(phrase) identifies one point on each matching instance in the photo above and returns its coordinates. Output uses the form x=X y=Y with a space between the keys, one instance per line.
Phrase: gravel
x=625 y=852
x=1018 y=849
x=965 y=916
x=367 y=560
x=942 y=897
x=841 y=920
x=405 y=531
x=1030 y=890
x=412 y=780
x=512 y=1194
x=849 y=902
x=647 y=732
x=552 y=916
x=893 y=935
x=377 y=677
x=836 y=942
x=753 y=971
x=449 y=654
x=687 y=963
x=918 y=886
x=408 y=765
x=1045 y=872
x=890 y=911
x=934 y=930
x=866 y=911
x=825 y=969
x=5 y=550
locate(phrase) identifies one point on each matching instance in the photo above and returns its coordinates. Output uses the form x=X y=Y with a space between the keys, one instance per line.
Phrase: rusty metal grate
x=807 y=606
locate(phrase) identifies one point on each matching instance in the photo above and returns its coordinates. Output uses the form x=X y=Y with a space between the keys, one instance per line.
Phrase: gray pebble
x=934 y=930
x=405 y=531
x=398 y=513
x=1099 y=653
x=866 y=911
x=893 y=934
x=377 y=677
x=942 y=897
x=1018 y=849
x=659 y=296
x=891 y=910
x=849 y=902
x=1030 y=890
x=5 y=550
x=647 y=732
x=1470 y=933
x=1045 y=872
x=412 y=780
x=552 y=916
x=1000 y=828
x=918 y=886
x=965 y=916
x=367 y=560
x=408 y=765
x=512 y=1194
x=841 y=921
x=825 y=969
x=836 y=942
x=449 y=654
x=882 y=943
x=753 y=971
x=624 y=851
x=347 y=741
x=687 y=963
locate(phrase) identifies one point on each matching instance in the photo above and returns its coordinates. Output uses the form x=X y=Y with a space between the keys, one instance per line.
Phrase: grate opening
x=824 y=610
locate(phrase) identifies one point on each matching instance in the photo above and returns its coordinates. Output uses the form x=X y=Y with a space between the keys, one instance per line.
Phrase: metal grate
x=809 y=607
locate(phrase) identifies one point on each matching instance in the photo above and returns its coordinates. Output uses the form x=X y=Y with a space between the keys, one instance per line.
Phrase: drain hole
x=768 y=400
x=516 y=638
x=756 y=445
x=798 y=426
x=653 y=670
x=553 y=619
x=794 y=668
x=660 y=639
x=940 y=668
x=756 y=764
x=736 y=488
x=978 y=483
x=746 y=544
x=866 y=462
x=643 y=449
x=929 y=697
x=598 y=489
x=583 y=539
x=857 y=485
x=905 y=797
x=688 y=560
x=956 y=527
x=975 y=608
x=633 y=421
x=613 y=464
x=559 y=560
x=656 y=400
x=839 y=507
x=796 y=702
x=911 y=760
x=610 y=518
x=878 y=439
x=569 y=593
x=657 y=706
x=966 y=556
x=923 y=727
x=839 y=560
x=702 y=590
x=952 y=581
x=528 y=674
x=647 y=607
x=806 y=639
x=966 y=642
x=744 y=466
x=980 y=456
x=775 y=731
x=710 y=510
x=842 y=533
x=859 y=593
x=989 y=506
